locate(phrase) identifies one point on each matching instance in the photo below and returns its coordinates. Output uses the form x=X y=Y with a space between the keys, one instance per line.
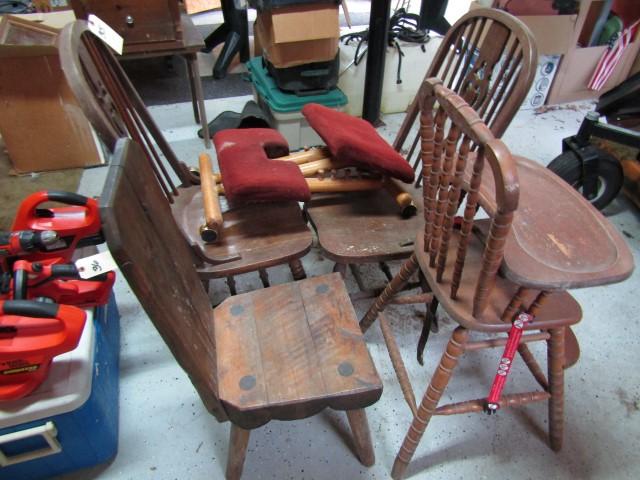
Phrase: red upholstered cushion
x=354 y=142
x=248 y=175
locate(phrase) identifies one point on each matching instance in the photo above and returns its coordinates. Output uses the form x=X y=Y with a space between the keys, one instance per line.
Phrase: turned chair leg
x=361 y=436
x=231 y=283
x=297 y=270
x=264 y=277
x=439 y=381
x=398 y=282
x=238 y=442
x=555 y=363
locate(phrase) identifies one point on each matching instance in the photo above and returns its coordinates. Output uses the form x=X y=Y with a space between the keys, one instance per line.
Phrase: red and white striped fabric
x=611 y=57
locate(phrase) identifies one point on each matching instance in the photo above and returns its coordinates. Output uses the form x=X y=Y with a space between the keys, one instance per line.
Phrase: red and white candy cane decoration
x=493 y=400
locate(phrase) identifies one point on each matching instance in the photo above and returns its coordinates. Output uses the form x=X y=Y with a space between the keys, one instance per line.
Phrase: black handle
x=20 y=283
x=31 y=308
x=67 y=197
x=65 y=270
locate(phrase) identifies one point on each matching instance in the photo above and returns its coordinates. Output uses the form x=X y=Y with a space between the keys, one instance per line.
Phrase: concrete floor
x=165 y=432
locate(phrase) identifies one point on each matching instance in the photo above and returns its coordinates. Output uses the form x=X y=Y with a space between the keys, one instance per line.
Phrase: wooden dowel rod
x=329 y=185
x=478 y=405
x=211 y=229
x=412 y=299
x=501 y=342
x=306 y=155
x=401 y=197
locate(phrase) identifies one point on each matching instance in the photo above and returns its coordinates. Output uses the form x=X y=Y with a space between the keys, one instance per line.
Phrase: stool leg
x=297 y=270
x=439 y=382
x=340 y=268
x=361 y=436
x=555 y=362
x=238 y=442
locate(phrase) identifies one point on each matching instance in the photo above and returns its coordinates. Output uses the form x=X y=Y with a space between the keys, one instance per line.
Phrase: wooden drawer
x=138 y=21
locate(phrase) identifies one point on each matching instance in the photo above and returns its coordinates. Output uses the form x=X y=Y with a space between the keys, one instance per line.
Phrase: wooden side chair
x=280 y=353
x=255 y=237
x=485 y=272
x=488 y=57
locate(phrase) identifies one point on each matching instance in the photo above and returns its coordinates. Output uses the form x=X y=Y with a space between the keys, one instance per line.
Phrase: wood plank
x=344 y=360
x=158 y=265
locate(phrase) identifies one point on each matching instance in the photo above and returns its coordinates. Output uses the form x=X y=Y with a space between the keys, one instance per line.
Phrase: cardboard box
x=42 y=125
x=554 y=34
x=300 y=34
x=579 y=63
x=197 y=6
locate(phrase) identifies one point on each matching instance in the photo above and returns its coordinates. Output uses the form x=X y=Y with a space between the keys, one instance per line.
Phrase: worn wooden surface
x=560 y=309
x=382 y=234
x=290 y=351
x=263 y=235
x=573 y=247
x=158 y=264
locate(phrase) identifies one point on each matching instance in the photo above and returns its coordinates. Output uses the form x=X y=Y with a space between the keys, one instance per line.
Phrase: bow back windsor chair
x=255 y=237
x=489 y=58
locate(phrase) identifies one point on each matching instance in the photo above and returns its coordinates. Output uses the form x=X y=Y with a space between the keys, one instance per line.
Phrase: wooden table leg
x=238 y=442
x=192 y=64
x=361 y=436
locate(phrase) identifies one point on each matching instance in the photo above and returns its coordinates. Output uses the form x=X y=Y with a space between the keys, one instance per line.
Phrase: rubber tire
x=567 y=166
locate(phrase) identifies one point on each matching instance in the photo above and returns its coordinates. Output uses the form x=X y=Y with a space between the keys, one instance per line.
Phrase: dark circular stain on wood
x=345 y=369
x=247 y=382
x=237 y=310
x=322 y=288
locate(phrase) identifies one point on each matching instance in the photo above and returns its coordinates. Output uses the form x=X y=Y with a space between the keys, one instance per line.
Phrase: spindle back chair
x=488 y=57
x=256 y=237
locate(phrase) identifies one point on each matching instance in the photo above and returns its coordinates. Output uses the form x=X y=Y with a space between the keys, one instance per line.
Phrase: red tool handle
x=510 y=349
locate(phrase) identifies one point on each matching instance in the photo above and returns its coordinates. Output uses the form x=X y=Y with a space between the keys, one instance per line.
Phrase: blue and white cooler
x=71 y=420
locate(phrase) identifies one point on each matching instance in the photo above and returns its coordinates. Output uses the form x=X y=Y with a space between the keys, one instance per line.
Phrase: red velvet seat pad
x=248 y=174
x=354 y=142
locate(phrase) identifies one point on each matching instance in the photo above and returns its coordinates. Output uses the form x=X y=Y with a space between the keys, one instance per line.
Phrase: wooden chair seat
x=289 y=351
x=577 y=247
x=248 y=231
x=385 y=234
x=560 y=308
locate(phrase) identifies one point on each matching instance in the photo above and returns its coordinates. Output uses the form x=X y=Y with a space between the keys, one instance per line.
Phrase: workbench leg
x=192 y=65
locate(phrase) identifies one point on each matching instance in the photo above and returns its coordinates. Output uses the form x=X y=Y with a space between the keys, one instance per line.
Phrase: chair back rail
x=112 y=104
x=158 y=264
x=449 y=127
x=489 y=58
